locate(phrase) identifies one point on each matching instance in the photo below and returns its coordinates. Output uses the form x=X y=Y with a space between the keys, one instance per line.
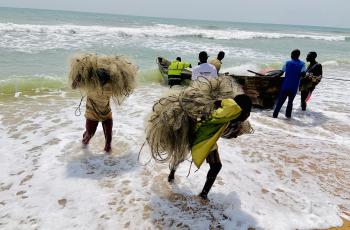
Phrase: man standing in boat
x=204 y=69
x=294 y=70
x=174 y=71
x=217 y=61
x=312 y=78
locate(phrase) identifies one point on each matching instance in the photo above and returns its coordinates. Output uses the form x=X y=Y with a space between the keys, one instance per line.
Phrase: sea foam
x=41 y=37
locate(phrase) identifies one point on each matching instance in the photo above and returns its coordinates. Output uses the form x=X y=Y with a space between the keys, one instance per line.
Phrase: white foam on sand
x=289 y=174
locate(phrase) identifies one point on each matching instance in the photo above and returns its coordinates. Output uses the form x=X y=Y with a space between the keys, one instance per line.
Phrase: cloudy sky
x=297 y=12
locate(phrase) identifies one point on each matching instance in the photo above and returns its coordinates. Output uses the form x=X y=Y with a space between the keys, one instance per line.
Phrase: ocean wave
x=37 y=84
x=31 y=84
x=35 y=37
x=336 y=62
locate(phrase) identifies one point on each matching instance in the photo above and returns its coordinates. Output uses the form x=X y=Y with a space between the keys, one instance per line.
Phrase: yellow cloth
x=222 y=116
x=97 y=104
x=217 y=63
x=201 y=150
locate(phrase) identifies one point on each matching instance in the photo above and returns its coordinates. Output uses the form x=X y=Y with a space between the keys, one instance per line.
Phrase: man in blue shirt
x=294 y=70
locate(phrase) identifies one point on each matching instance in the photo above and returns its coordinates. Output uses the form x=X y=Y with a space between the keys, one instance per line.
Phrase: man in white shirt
x=204 y=69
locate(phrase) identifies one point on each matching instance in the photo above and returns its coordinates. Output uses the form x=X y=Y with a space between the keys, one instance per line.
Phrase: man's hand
x=217 y=104
x=317 y=79
x=76 y=82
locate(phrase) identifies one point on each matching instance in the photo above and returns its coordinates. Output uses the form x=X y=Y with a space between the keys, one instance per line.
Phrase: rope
x=77 y=110
x=138 y=157
x=189 y=171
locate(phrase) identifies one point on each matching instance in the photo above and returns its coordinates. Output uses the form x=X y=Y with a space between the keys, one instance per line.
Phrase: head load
x=168 y=129
x=90 y=71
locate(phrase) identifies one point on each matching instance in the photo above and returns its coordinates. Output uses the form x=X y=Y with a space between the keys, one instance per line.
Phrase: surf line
x=337 y=79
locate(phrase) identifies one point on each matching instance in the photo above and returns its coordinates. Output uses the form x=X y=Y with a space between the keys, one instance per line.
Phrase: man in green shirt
x=174 y=71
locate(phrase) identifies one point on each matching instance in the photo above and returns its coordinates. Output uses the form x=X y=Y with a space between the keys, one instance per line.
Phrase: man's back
x=293 y=70
x=217 y=63
x=205 y=70
x=315 y=69
x=176 y=67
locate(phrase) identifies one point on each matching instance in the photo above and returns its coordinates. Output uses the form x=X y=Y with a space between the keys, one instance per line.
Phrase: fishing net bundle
x=88 y=70
x=168 y=128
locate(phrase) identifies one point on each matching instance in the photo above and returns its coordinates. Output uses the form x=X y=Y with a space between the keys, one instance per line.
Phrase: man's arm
x=187 y=65
x=214 y=71
x=194 y=74
x=303 y=71
x=318 y=73
x=76 y=82
x=284 y=67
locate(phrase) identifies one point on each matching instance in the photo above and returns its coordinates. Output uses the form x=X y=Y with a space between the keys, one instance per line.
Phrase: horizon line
x=159 y=17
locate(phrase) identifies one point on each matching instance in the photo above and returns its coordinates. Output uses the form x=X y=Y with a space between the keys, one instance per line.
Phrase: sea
x=290 y=174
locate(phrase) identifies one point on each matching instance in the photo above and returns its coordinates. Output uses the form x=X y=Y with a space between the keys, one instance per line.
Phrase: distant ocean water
x=36 y=44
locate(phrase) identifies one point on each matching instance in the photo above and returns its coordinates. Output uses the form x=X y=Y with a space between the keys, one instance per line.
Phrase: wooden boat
x=262 y=89
x=163 y=65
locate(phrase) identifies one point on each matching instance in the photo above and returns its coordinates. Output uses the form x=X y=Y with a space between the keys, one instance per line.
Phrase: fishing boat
x=163 y=65
x=262 y=89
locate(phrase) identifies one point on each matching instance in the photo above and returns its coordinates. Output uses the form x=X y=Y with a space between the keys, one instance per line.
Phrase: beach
x=288 y=174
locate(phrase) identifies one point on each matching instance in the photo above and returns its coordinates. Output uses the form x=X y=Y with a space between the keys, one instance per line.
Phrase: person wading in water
x=101 y=78
x=312 y=78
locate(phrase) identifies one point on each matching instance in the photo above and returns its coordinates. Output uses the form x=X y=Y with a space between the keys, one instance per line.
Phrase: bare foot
x=171 y=176
x=108 y=149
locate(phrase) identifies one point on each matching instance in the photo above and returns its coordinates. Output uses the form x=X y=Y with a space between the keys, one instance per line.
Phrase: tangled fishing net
x=86 y=71
x=169 y=125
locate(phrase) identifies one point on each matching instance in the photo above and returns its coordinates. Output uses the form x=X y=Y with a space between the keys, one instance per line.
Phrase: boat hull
x=262 y=89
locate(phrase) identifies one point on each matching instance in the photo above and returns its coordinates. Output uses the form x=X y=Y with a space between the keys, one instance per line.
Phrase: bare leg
x=171 y=176
x=303 y=97
x=107 y=130
x=215 y=166
x=90 y=127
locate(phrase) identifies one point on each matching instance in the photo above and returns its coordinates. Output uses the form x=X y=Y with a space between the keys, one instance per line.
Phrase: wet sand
x=297 y=168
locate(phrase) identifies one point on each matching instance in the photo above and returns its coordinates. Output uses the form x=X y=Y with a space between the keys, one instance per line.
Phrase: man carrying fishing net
x=101 y=77
x=193 y=119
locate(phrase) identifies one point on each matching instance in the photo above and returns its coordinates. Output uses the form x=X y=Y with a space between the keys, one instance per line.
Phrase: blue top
x=292 y=70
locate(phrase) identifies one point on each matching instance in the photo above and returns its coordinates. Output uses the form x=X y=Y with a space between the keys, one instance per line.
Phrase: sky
x=295 y=12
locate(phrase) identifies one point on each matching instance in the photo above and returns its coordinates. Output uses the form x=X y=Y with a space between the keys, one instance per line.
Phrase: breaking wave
x=35 y=84
x=39 y=37
x=31 y=84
